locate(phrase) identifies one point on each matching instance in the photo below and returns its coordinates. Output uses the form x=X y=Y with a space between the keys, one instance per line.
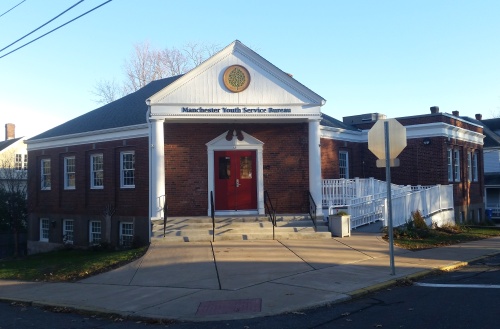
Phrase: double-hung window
x=69 y=173
x=68 y=229
x=19 y=162
x=127 y=169
x=45 y=174
x=126 y=233
x=96 y=171
x=456 y=164
x=469 y=166
x=95 y=232
x=343 y=164
x=450 y=165
x=474 y=171
x=44 y=229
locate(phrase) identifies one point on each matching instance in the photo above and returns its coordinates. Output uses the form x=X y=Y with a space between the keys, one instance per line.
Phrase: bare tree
x=13 y=176
x=147 y=64
x=197 y=53
x=144 y=66
x=13 y=205
x=107 y=213
x=107 y=91
x=174 y=62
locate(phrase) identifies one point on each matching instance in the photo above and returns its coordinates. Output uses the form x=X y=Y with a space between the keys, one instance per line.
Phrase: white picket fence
x=366 y=200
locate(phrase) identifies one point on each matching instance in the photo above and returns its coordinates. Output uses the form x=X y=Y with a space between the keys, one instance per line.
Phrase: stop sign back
x=397 y=139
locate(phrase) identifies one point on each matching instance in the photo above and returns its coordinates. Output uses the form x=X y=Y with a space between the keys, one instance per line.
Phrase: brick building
x=235 y=126
x=441 y=149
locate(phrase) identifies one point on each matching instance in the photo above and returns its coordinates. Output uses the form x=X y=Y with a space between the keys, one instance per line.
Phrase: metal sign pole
x=389 y=194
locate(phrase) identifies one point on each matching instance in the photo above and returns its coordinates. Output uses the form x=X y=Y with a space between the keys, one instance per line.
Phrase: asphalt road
x=466 y=298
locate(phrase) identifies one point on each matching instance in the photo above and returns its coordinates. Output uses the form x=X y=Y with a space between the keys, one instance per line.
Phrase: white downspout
x=150 y=212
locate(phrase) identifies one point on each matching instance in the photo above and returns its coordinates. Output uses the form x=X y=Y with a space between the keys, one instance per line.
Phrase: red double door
x=235 y=180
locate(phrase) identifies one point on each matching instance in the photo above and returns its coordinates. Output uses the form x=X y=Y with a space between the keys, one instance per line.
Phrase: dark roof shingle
x=8 y=142
x=491 y=139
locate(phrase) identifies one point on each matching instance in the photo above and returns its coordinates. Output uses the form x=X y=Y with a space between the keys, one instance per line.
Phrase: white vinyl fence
x=366 y=200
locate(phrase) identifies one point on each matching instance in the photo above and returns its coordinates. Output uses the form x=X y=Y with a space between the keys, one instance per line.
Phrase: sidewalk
x=240 y=279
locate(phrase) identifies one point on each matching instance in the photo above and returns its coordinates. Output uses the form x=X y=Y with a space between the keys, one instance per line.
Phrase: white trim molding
x=436 y=129
x=89 y=137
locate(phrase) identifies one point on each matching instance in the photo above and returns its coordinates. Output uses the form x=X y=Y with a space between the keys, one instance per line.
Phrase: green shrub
x=418 y=221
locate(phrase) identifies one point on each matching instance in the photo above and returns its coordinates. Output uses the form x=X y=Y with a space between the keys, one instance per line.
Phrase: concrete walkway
x=240 y=279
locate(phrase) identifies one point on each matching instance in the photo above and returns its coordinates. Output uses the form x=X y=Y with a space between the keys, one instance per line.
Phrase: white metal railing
x=366 y=200
x=340 y=192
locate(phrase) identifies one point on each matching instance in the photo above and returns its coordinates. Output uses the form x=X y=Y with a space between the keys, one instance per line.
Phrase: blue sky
x=393 y=57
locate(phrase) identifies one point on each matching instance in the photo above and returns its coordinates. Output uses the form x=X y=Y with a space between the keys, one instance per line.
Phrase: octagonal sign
x=397 y=138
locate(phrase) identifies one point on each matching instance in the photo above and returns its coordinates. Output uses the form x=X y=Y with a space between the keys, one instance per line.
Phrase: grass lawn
x=66 y=265
x=431 y=238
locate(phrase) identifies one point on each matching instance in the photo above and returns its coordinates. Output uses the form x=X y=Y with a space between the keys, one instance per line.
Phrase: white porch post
x=157 y=168
x=315 y=165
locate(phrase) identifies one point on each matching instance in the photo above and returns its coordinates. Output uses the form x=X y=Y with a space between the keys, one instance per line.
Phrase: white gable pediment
x=233 y=139
x=203 y=89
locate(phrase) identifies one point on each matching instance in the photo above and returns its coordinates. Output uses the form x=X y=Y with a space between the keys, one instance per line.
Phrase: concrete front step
x=239 y=219
x=239 y=236
x=171 y=225
x=239 y=228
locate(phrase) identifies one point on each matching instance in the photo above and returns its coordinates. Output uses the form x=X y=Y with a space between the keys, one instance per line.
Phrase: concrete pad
x=324 y=253
x=19 y=289
x=349 y=277
x=276 y=298
x=242 y=264
x=492 y=244
x=102 y=298
x=172 y=279
x=120 y=276
x=370 y=244
x=178 y=265
x=133 y=300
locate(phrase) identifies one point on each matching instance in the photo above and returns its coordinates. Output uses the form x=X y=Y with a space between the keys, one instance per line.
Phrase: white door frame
x=247 y=142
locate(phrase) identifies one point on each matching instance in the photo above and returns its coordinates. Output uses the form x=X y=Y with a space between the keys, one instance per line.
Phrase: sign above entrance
x=234 y=110
x=236 y=78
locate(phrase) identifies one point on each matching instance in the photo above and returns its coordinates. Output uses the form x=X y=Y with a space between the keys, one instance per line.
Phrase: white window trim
x=66 y=179
x=43 y=176
x=450 y=165
x=121 y=231
x=18 y=163
x=91 y=240
x=456 y=167
x=469 y=166
x=65 y=231
x=475 y=173
x=42 y=220
x=92 y=171
x=122 y=176
x=346 y=164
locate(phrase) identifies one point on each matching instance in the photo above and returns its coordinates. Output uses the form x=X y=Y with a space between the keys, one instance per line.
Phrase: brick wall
x=420 y=164
x=83 y=204
x=285 y=156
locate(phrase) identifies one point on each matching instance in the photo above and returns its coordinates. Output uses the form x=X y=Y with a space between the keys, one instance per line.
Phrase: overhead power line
x=74 y=19
x=38 y=28
x=12 y=8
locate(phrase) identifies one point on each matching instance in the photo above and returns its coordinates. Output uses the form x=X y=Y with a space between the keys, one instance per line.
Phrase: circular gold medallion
x=236 y=78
